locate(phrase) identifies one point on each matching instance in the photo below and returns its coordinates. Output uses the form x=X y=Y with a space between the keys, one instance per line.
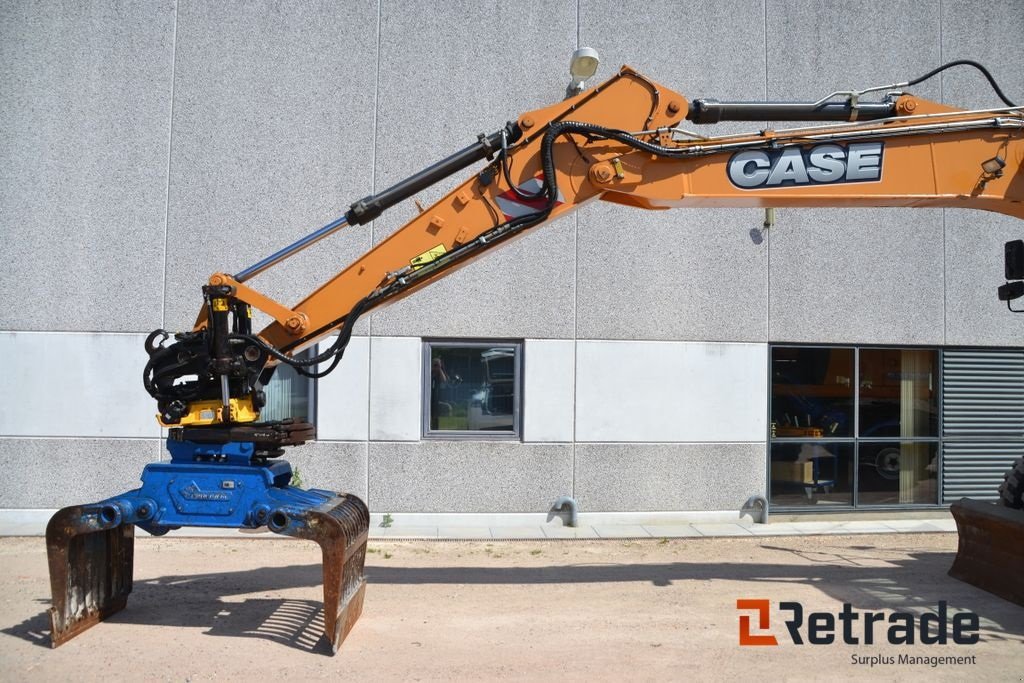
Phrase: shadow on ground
x=845 y=573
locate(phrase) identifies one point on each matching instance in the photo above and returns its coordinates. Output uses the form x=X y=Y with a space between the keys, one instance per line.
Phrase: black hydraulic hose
x=528 y=196
x=967 y=62
x=337 y=349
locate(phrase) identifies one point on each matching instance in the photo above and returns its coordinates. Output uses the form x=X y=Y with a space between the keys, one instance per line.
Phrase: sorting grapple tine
x=90 y=555
x=340 y=526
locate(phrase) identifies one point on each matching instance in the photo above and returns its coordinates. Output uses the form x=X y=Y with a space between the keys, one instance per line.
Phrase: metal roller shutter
x=982 y=420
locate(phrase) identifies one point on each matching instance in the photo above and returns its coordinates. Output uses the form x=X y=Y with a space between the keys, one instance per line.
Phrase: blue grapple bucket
x=90 y=547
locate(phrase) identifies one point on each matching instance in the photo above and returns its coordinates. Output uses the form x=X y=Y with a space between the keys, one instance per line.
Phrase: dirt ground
x=218 y=609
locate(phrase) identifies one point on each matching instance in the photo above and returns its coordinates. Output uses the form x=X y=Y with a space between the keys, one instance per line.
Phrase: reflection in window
x=811 y=473
x=472 y=388
x=897 y=473
x=289 y=394
x=812 y=392
x=898 y=393
x=822 y=453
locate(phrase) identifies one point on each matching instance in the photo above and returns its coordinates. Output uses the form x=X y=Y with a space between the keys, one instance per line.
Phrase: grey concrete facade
x=145 y=146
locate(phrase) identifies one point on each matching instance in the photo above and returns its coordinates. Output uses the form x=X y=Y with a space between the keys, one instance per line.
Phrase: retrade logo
x=760 y=169
x=854 y=627
x=763 y=608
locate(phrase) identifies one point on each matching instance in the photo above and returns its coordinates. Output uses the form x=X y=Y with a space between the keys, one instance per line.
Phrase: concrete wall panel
x=664 y=391
x=686 y=274
x=974 y=269
x=704 y=50
x=549 y=389
x=74 y=385
x=974 y=240
x=990 y=34
x=816 y=47
x=467 y=476
x=396 y=388
x=692 y=274
x=343 y=408
x=332 y=465
x=272 y=138
x=869 y=276
x=450 y=71
x=651 y=477
x=522 y=289
x=85 y=99
x=53 y=473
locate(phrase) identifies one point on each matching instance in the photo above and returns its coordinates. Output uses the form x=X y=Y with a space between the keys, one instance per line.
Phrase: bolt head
x=908 y=105
x=602 y=173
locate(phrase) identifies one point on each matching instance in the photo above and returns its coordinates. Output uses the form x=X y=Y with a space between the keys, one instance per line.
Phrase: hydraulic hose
x=967 y=62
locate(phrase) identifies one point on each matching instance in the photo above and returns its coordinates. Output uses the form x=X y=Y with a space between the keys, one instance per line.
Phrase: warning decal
x=428 y=257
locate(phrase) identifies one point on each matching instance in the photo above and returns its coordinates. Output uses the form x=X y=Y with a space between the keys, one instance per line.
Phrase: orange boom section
x=621 y=142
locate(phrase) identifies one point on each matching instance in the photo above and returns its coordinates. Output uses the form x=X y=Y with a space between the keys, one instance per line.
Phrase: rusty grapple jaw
x=90 y=556
x=90 y=547
x=340 y=526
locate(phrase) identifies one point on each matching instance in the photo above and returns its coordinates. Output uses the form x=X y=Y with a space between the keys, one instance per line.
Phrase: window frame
x=856 y=438
x=515 y=434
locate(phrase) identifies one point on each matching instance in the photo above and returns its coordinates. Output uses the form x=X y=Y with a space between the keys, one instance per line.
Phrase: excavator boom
x=622 y=142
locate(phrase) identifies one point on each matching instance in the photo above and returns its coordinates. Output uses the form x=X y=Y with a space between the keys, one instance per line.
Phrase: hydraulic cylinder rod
x=294 y=248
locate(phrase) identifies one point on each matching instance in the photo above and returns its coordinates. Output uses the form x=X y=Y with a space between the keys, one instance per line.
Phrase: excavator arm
x=622 y=142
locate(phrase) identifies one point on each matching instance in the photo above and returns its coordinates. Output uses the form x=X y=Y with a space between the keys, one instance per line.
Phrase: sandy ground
x=214 y=609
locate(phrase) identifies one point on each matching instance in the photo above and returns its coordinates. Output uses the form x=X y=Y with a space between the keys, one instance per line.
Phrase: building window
x=812 y=473
x=854 y=427
x=289 y=394
x=898 y=393
x=812 y=392
x=472 y=389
